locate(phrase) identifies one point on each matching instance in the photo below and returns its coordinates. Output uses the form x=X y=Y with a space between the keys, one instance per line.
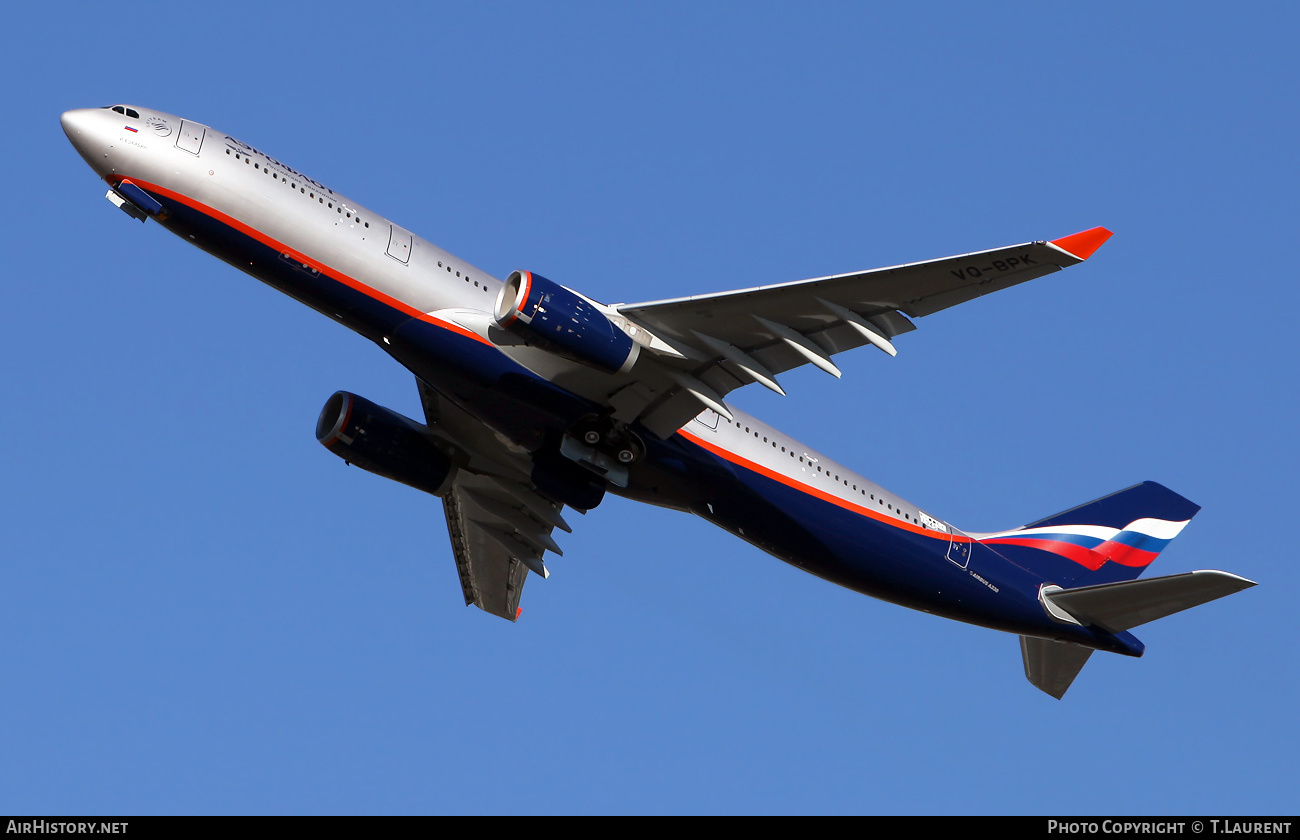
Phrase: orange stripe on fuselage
x=399 y=305
x=333 y=274
x=788 y=481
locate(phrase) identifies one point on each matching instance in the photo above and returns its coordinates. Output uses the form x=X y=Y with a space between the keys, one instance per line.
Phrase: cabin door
x=959 y=546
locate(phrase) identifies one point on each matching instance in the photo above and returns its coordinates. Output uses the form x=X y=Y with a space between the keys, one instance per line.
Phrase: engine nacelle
x=562 y=322
x=383 y=442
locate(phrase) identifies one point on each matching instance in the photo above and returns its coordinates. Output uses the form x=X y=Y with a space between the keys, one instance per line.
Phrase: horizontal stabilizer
x=1120 y=606
x=1052 y=666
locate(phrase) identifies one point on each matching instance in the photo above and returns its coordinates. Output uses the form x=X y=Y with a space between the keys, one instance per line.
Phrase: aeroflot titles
x=245 y=149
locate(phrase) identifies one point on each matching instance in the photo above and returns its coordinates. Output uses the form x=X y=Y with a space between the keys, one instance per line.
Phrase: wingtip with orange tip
x=1085 y=244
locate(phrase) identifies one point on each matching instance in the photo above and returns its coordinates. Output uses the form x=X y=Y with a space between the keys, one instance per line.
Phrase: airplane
x=537 y=398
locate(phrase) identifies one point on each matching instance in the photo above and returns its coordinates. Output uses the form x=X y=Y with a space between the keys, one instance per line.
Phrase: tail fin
x=1116 y=607
x=1107 y=540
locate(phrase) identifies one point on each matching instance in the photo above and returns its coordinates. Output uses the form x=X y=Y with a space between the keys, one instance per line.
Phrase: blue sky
x=204 y=611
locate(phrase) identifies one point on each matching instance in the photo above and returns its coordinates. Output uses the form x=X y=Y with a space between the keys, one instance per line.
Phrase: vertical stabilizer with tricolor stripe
x=1107 y=540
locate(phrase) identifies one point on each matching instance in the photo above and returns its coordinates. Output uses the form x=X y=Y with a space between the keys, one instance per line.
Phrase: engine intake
x=384 y=442
x=562 y=322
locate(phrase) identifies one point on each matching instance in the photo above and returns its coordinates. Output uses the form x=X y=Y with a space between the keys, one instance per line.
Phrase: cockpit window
x=130 y=112
x=119 y=109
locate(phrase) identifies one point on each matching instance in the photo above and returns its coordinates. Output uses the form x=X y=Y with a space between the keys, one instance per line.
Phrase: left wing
x=726 y=340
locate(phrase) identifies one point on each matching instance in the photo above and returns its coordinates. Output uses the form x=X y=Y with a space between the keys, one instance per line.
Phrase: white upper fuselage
x=327 y=231
x=277 y=201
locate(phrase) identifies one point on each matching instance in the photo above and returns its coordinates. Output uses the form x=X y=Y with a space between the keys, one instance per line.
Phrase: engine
x=562 y=322
x=383 y=442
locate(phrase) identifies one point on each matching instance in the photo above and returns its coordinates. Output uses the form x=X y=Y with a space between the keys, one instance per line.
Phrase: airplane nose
x=83 y=126
x=74 y=123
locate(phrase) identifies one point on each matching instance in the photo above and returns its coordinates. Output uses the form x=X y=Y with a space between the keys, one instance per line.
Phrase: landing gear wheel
x=626 y=446
x=591 y=430
x=613 y=440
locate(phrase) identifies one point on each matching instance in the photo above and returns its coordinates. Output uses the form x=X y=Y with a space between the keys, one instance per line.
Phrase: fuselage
x=427 y=308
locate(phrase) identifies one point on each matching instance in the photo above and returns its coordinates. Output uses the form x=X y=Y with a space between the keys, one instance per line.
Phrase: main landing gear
x=603 y=446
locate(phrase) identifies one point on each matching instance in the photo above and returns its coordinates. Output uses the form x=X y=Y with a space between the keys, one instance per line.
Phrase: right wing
x=499 y=525
x=497 y=537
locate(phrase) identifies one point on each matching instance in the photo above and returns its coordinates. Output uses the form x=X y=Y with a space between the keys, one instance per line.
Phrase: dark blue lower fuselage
x=860 y=552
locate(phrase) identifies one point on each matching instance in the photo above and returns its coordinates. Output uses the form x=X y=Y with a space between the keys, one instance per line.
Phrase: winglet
x=1083 y=245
